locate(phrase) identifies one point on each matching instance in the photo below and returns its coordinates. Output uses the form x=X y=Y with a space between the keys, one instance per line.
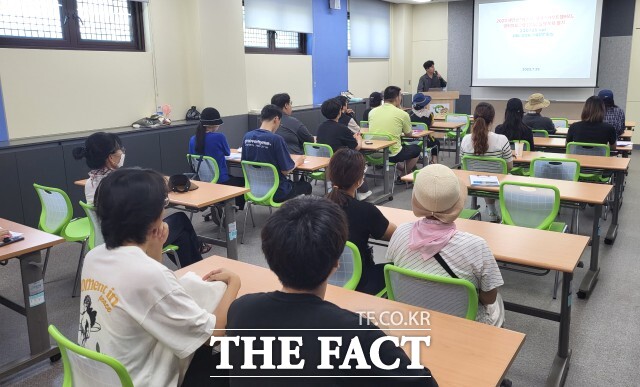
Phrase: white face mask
x=121 y=162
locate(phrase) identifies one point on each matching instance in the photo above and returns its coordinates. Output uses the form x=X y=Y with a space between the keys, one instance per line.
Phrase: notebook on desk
x=15 y=237
x=484 y=181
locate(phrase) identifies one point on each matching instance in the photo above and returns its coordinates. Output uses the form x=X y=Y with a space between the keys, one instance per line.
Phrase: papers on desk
x=624 y=143
x=233 y=156
x=484 y=181
x=15 y=237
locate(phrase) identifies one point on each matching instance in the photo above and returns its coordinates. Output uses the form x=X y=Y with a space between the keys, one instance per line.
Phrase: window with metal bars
x=72 y=24
x=273 y=42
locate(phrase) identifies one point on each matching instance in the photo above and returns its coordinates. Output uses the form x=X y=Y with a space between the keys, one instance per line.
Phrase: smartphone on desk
x=368 y=142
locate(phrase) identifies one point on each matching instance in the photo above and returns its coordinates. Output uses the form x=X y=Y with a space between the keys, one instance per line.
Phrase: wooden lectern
x=443 y=101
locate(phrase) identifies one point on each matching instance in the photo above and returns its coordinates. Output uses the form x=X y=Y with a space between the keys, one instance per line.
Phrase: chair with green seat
x=96 y=238
x=590 y=176
x=421 y=126
x=262 y=181
x=520 y=171
x=55 y=218
x=466 y=213
x=205 y=167
x=560 y=122
x=319 y=150
x=364 y=124
x=84 y=367
x=454 y=296
x=540 y=133
x=377 y=158
x=483 y=164
x=349 y=268
x=533 y=206
x=455 y=117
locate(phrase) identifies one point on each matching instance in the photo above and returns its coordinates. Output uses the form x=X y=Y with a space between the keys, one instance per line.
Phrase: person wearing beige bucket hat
x=533 y=119
x=438 y=198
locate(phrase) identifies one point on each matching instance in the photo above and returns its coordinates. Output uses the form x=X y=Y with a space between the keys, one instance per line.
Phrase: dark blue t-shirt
x=262 y=146
x=216 y=146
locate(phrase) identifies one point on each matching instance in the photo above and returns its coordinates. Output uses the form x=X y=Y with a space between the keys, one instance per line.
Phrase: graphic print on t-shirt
x=89 y=315
x=88 y=321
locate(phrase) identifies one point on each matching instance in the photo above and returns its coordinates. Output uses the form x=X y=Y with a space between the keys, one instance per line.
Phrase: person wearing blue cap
x=613 y=114
x=420 y=112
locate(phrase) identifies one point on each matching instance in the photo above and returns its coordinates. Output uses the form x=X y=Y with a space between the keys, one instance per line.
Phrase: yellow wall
x=367 y=76
x=430 y=39
x=632 y=110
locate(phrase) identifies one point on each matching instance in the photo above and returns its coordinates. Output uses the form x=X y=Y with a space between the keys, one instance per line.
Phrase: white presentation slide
x=539 y=43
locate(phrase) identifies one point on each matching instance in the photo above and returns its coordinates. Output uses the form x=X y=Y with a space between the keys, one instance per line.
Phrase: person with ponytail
x=483 y=142
x=104 y=153
x=208 y=142
x=346 y=171
x=513 y=128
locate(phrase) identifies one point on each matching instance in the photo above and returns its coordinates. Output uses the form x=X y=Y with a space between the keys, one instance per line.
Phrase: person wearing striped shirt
x=438 y=198
x=484 y=142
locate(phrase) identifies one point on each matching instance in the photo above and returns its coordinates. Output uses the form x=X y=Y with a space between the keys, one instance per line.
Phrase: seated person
x=263 y=146
x=513 y=128
x=420 y=112
x=134 y=308
x=303 y=268
x=104 y=154
x=293 y=131
x=533 y=118
x=347 y=117
x=346 y=172
x=208 y=142
x=375 y=100
x=592 y=127
x=438 y=198
x=613 y=115
x=390 y=119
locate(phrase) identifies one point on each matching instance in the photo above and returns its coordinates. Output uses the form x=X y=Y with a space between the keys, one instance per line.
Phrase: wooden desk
x=627 y=124
x=534 y=248
x=570 y=192
x=562 y=132
x=458 y=354
x=447 y=126
x=372 y=146
x=205 y=196
x=27 y=252
x=559 y=142
x=310 y=164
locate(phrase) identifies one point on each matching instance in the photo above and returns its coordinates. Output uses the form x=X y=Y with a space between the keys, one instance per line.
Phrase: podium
x=443 y=102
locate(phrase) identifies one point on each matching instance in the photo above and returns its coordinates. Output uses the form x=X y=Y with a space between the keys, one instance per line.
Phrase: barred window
x=269 y=41
x=72 y=24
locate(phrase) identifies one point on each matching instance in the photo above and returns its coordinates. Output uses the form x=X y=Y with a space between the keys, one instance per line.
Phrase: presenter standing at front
x=431 y=78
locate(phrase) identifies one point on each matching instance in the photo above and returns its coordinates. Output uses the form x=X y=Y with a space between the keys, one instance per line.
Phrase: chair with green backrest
x=466 y=213
x=590 y=176
x=533 y=206
x=262 y=180
x=455 y=117
x=454 y=296
x=520 y=171
x=364 y=124
x=483 y=164
x=205 y=167
x=421 y=126
x=560 y=122
x=319 y=150
x=540 y=133
x=84 y=367
x=96 y=238
x=376 y=158
x=55 y=218
x=349 y=269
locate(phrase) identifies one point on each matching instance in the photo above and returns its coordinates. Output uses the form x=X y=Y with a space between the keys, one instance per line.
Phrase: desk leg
x=231 y=227
x=35 y=310
x=590 y=278
x=617 y=200
x=424 y=152
x=385 y=168
x=560 y=366
x=457 y=146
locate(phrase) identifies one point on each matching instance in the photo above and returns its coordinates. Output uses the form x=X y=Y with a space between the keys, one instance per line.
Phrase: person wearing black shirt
x=348 y=117
x=375 y=100
x=294 y=132
x=346 y=172
x=302 y=244
x=513 y=127
x=534 y=119
x=592 y=129
x=431 y=78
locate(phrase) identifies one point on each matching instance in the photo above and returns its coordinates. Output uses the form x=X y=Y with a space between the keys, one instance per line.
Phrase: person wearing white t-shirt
x=484 y=142
x=133 y=308
x=438 y=198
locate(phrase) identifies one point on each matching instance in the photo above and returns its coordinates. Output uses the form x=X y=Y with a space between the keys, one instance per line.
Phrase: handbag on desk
x=193 y=114
x=181 y=183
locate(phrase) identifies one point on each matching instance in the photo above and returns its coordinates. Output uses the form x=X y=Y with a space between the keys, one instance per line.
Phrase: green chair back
x=376 y=158
x=317 y=149
x=95 y=233
x=208 y=171
x=419 y=126
x=555 y=168
x=457 y=117
x=454 y=296
x=484 y=164
x=364 y=124
x=262 y=180
x=526 y=147
x=560 y=122
x=350 y=268
x=56 y=209
x=84 y=367
x=589 y=149
x=540 y=133
x=529 y=205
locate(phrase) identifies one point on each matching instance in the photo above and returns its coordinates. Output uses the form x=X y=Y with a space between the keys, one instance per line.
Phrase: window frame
x=272 y=49
x=71 y=33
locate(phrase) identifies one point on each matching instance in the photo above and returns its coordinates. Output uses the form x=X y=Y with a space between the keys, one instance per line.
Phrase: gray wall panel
x=234 y=128
x=75 y=170
x=460 y=47
x=174 y=146
x=463 y=105
x=617 y=17
x=613 y=69
x=10 y=198
x=143 y=150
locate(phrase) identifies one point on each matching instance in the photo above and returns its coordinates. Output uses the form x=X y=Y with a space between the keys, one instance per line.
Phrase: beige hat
x=438 y=193
x=536 y=101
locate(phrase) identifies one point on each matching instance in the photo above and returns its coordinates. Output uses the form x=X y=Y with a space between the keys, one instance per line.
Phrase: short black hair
x=303 y=241
x=270 y=112
x=428 y=64
x=97 y=149
x=331 y=108
x=391 y=93
x=280 y=100
x=128 y=201
x=342 y=100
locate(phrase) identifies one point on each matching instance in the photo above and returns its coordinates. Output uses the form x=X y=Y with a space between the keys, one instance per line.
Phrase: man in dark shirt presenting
x=263 y=146
x=431 y=78
x=302 y=243
x=293 y=131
